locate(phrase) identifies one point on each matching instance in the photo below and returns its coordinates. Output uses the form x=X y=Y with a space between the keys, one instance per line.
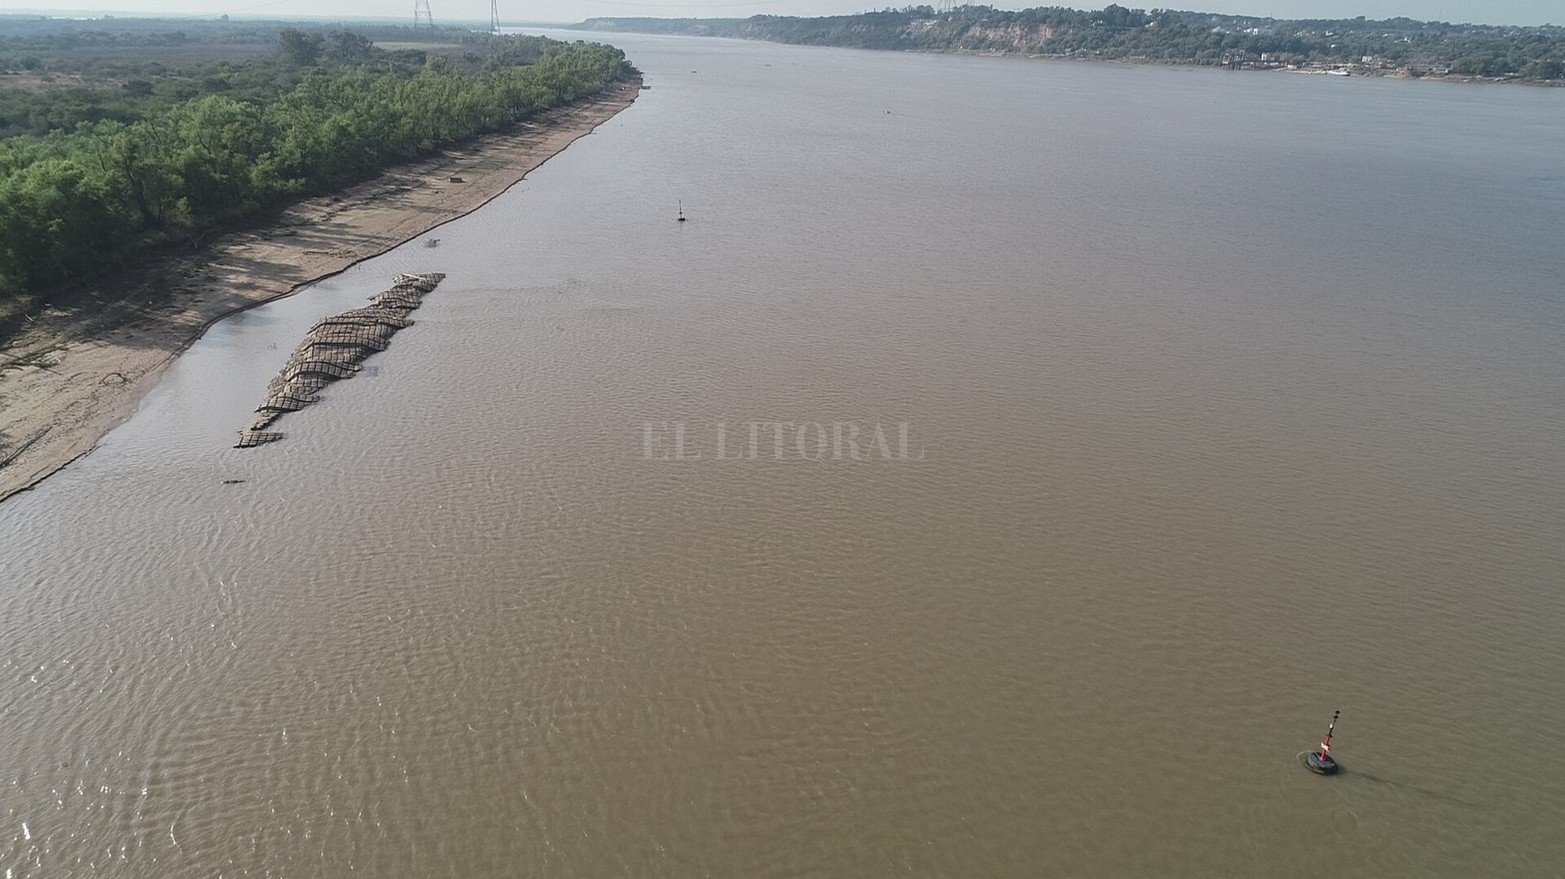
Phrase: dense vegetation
x=1399 y=44
x=139 y=151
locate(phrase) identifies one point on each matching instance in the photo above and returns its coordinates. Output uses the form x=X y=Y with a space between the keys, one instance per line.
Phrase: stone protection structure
x=333 y=349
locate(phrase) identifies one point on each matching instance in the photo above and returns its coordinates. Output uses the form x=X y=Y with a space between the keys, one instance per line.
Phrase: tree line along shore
x=1396 y=46
x=125 y=137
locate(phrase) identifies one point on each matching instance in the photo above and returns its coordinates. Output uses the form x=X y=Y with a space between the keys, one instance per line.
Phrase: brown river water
x=1209 y=403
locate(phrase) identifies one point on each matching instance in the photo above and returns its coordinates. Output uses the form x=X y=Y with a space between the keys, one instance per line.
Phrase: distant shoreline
x=1398 y=48
x=70 y=378
x=1345 y=73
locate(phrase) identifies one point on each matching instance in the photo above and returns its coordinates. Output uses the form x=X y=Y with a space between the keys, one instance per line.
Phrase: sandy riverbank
x=75 y=373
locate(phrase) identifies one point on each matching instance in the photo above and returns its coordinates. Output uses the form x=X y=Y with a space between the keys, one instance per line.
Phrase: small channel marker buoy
x=1320 y=762
x=681 y=216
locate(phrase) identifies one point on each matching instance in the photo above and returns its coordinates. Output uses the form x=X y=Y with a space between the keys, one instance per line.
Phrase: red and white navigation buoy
x=1321 y=762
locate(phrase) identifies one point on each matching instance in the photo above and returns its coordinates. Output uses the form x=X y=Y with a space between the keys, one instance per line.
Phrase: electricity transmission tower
x=422 y=15
x=494 y=17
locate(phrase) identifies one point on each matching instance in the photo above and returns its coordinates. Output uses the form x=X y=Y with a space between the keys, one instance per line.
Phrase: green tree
x=73 y=204
x=299 y=47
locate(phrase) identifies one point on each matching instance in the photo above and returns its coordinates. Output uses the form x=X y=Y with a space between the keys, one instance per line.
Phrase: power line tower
x=494 y=17
x=422 y=15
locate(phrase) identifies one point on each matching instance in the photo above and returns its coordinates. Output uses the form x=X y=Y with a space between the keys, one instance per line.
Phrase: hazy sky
x=1483 y=11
